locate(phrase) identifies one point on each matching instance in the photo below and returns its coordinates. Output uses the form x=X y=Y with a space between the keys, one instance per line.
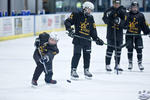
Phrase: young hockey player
x=84 y=28
x=135 y=24
x=114 y=17
x=46 y=49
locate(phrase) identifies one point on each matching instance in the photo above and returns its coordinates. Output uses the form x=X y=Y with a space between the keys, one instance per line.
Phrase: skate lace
x=140 y=66
x=87 y=72
x=130 y=65
x=108 y=67
x=74 y=73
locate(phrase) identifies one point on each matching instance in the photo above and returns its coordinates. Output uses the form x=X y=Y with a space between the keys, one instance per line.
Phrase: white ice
x=17 y=67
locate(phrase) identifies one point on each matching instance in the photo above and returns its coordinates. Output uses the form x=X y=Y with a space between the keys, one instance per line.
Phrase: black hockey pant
x=40 y=67
x=110 y=50
x=137 y=43
x=77 y=55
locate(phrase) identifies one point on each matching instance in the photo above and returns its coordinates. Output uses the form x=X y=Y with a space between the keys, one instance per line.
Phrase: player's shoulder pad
x=122 y=8
x=91 y=16
x=109 y=9
x=141 y=15
x=75 y=13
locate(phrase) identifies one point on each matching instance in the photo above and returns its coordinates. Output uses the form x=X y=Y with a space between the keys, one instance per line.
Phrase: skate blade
x=130 y=70
x=34 y=86
x=141 y=70
x=88 y=78
x=108 y=72
x=74 y=78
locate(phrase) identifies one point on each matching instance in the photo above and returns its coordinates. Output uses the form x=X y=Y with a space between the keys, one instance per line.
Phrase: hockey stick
x=115 y=40
x=43 y=61
x=94 y=41
x=129 y=34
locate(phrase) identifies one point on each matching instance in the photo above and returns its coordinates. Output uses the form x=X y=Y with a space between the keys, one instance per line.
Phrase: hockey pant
x=40 y=67
x=110 y=50
x=137 y=43
x=77 y=54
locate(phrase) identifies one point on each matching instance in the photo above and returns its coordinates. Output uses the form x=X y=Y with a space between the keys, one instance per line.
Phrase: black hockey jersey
x=84 y=27
x=108 y=18
x=136 y=23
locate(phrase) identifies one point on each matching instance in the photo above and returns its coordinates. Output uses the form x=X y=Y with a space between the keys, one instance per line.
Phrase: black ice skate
x=130 y=67
x=117 y=68
x=74 y=74
x=141 y=67
x=51 y=82
x=108 y=69
x=87 y=74
x=34 y=83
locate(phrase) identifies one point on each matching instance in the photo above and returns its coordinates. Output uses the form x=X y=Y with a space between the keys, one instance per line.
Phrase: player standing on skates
x=135 y=24
x=84 y=27
x=46 y=49
x=114 y=17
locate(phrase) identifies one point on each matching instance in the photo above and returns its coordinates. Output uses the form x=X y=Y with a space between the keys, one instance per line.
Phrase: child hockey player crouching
x=46 y=49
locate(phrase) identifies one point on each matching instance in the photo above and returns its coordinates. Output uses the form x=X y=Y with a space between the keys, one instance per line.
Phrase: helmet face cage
x=88 y=7
x=134 y=7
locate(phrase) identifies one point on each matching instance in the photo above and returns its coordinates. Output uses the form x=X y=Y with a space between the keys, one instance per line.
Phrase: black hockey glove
x=71 y=33
x=117 y=20
x=110 y=14
x=44 y=59
x=37 y=42
x=99 y=41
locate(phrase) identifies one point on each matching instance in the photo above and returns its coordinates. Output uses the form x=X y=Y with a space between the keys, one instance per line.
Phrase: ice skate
x=51 y=82
x=74 y=75
x=130 y=67
x=141 y=67
x=108 y=69
x=87 y=74
x=34 y=83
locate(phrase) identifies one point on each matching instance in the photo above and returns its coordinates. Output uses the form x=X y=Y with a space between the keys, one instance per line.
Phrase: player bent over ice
x=46 y=49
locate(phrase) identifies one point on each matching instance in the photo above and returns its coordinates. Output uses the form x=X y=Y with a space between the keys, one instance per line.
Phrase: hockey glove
x=44 y=59
x=71 y=33
x=110 y=14
x=37 y=42
x=117 y=20
x=99 y=41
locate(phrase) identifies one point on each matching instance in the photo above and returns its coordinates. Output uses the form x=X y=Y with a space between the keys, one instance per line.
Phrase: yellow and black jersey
x=84 y=26
x=45 y=47
x=136 y=23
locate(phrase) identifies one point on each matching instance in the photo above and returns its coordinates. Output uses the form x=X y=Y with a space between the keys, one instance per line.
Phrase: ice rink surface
x=17 y=67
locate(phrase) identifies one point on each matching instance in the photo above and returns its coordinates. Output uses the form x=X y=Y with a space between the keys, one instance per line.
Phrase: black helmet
x=117 y=1
x=134 y=4
x=44 y=37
